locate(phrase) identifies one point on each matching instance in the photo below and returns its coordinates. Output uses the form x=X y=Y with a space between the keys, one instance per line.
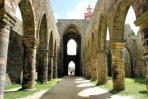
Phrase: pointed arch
x=51 y=56
x=72 y=28
x=119 y=20
x=71 y=47
x=28 y=18
x=51 y=44
x=43 y=33
x=102 y=33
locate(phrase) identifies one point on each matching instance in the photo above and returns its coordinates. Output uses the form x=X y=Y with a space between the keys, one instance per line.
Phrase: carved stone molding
x=31 y=42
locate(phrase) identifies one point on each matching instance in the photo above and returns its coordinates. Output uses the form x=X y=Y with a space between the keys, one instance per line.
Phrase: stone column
x=93 y=68
x=118 y=72
x=144 y=31
x=4 y=40
x=143 y=23
x=43 y=66
x=50 y=68
x=88 y=69
x=101 y=67
x=29 y=67
x=55 y=67
x=84 y=69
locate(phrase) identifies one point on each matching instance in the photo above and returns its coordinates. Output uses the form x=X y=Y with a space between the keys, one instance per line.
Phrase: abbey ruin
x=36 y=48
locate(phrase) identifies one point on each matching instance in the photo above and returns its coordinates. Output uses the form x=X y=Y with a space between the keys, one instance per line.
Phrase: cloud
x=130 y=19
x=78 y=12
x=56 y=16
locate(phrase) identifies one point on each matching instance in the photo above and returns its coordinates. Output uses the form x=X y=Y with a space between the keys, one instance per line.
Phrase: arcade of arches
x=36 y=47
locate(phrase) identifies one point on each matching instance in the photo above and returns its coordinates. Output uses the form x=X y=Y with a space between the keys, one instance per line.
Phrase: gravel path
x=79 y=88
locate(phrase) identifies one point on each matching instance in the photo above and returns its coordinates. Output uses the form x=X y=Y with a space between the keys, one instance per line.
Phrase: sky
x=70 y=9
x=75 y=9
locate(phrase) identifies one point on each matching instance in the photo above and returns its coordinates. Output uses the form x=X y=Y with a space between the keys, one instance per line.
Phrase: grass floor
x=20 y=94
x=134 y=86
x=12 y=86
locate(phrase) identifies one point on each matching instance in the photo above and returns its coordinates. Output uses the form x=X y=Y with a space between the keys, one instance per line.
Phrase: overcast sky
x=75 y=9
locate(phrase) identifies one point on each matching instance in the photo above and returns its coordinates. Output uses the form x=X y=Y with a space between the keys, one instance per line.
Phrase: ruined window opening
x=71 y=68
x=72 y=47
x=107 y=35
x=130 y=18
x=18 y=13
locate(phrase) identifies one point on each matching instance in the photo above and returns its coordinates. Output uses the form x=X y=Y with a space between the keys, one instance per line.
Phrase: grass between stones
x=133 y=86
x=20 y=94
x=12 y=86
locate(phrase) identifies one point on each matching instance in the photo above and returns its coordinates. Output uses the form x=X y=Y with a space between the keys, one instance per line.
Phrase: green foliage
x=131 y=33
x=134 y=86
x=22 y=93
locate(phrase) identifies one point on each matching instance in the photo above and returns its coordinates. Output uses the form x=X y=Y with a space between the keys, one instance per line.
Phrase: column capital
x=8 y=19
x=142 y=19
x=31 y=42
x=117 y=44
x=43 y=51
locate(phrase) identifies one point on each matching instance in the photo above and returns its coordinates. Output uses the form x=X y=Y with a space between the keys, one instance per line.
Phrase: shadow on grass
x=143 y=92
x=140 y=80
x=19 y=90
x=115 y=92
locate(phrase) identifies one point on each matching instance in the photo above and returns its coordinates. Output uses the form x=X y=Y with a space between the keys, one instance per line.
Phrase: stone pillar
x=4 y=40
x=88 y=69
x=144 y=31
x=50 y=68
x=143 y=23
x=93 y=68
x=101 y=67
x=118 y=72
x=43 y=66
x=84 y=69
x=29 y=67
x=55 y=67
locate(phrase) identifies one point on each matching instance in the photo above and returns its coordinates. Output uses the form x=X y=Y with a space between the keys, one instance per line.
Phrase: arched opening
x=130 y=18
x=107 y=35
x=93 y=58
x=103 y=44
x=42 y=52
x=18 y=13
x=71 y=47
x=71 y=38
x=55 y=61
x=18 y=38
x=50 y=58
x=71 y=68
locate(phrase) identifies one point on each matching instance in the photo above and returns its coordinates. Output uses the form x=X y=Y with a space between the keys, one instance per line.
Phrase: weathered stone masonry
x=42 y=45
x=33 y=11
x=111 y=14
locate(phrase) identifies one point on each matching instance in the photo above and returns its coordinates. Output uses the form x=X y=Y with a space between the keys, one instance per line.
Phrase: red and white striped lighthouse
x=87 y=16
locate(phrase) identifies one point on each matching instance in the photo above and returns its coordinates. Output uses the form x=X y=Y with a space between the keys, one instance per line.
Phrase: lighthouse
x=87 y=16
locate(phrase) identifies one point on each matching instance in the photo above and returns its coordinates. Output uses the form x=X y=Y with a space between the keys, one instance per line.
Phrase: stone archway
x=101 y=51
x=93 y=58
x=50 y=58
x=55 y=61
x=72 y=33
x=29 y=39
x=42 y=58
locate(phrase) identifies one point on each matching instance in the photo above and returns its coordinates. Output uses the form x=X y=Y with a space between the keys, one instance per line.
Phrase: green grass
x=39 y=86
x=12 y=86
x=134 y=86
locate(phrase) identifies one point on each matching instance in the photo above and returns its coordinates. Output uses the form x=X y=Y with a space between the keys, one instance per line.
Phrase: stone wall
x=15 y=57
x=63 y=25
